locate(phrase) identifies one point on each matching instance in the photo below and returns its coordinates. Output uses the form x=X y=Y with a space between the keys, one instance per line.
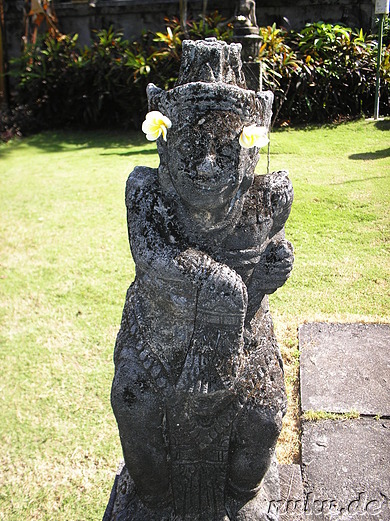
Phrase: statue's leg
x=139 y=411
x=254 y=437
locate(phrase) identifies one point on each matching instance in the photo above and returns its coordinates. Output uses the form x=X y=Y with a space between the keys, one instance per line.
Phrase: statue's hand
x=274 y=267
x=223 y=293
x=220 y=287
x=219 y=323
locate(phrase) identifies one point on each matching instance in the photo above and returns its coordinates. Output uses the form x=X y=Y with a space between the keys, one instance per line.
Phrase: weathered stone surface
x=198 y=392
x=290 y=507
x=125 y=504
x=345 y=367
x=288 y=504
x=345 y=467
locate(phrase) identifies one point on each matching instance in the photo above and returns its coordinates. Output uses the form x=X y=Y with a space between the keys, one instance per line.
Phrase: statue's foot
x=126 y=505
x=254 y=510
x=259 y=507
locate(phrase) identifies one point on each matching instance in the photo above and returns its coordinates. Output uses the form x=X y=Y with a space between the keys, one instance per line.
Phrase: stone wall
x=354 y=13
x=134 y=16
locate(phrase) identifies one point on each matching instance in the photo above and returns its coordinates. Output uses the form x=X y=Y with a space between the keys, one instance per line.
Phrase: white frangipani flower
x=155 y=125
x=254 y=136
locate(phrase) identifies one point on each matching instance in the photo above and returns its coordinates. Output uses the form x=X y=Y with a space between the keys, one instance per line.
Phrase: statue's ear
x=265 y=100
x=153 y=93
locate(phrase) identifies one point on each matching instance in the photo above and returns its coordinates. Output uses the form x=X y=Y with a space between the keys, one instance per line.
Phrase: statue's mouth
x=210 y=181
x=208 y=185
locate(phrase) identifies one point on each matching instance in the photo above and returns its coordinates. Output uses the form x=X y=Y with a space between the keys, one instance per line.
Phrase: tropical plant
x=321 y=73
x=62 y=84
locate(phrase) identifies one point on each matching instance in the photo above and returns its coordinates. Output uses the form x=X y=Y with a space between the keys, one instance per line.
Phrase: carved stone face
x=206 y=163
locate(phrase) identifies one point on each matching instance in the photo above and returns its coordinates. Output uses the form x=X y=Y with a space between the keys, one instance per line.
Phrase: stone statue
x=247 y=13
x=246 y=32
x=198 y=392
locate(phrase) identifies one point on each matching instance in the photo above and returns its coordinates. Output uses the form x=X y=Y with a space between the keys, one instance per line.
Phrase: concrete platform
x=345 y=367
x=291 y=493
x=346 y=470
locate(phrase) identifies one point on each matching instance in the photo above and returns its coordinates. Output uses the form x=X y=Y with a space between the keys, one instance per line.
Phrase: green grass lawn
x=65 y=267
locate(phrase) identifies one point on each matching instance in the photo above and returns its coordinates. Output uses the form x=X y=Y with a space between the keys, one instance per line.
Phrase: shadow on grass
x=384 y=124
x=130 y=153
x=57 y=141
x=67 y=140
x=365 y=156
x=358 y=180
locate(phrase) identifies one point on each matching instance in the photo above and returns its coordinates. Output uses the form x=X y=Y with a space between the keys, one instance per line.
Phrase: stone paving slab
x=291 y=493
x=345 y=367
x=346 y=470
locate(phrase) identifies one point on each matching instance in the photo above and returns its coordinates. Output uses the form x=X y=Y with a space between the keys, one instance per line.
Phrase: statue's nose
x=207 y=167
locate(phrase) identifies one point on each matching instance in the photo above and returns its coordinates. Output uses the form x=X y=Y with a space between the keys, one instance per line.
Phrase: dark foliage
x=322 y=73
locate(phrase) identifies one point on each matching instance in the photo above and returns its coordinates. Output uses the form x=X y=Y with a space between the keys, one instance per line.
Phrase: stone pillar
x=246 y=32
x=198 y=392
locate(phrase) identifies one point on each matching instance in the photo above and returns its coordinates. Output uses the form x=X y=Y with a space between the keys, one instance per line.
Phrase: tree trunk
x=204 y=11
x=4 y=79
x=183 y=16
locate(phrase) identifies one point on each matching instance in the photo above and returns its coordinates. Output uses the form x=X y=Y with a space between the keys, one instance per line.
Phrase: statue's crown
x=211 y=61
x=210 y=79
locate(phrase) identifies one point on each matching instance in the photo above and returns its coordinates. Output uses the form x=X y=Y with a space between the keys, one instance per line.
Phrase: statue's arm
x=279 y=195
x=161 y=253
x=220 y=294
x=274 y=266
x=276 y=262
x=154 y=248
x=150 y=250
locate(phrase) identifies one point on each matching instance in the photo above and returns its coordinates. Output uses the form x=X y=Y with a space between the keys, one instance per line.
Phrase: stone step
x=346 y=462
x=345 y=367
x=291 y=506
x=345 y=469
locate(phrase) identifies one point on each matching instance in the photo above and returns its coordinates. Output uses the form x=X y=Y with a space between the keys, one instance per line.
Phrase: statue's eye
x=226 y=149
x=185 y=148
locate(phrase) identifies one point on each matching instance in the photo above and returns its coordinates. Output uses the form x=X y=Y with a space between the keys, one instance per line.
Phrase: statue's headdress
x=211 y=78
